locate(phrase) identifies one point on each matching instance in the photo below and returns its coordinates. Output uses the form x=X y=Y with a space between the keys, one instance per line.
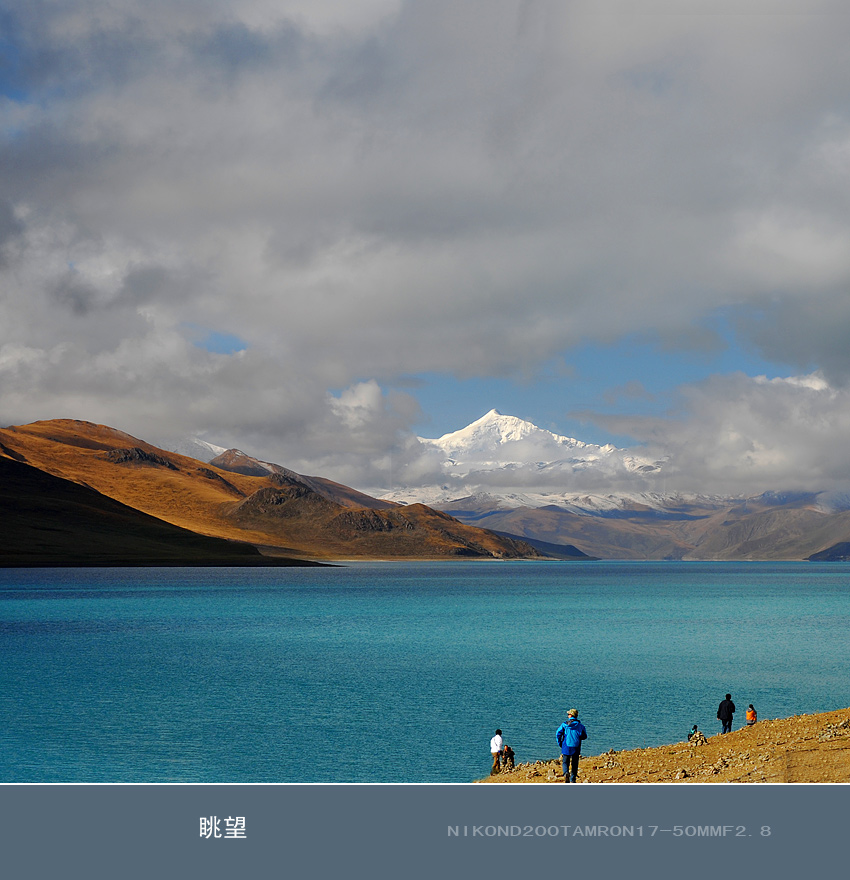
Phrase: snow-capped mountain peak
x=507 y=457
x=493 y=431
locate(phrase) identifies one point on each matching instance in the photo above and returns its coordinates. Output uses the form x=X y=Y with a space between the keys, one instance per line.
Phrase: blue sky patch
x=637 y=375
x=214 y=341
x=11 y=82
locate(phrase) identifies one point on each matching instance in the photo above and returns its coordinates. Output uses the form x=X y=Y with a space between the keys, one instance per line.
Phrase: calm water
x=397 y=672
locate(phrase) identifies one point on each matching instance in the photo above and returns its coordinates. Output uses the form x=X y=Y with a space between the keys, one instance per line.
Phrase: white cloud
x=737 y=434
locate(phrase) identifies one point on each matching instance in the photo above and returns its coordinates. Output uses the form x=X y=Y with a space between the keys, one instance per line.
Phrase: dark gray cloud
x=10 y=227
x=812 y=331
x=366 y=190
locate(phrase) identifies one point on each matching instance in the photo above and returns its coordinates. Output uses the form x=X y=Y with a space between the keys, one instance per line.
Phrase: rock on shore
x=803 y=748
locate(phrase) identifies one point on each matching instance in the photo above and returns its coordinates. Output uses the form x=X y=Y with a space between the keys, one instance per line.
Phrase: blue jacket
x=570 y=734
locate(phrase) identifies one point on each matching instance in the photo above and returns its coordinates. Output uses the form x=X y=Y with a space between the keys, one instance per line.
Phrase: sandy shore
x=803 y=748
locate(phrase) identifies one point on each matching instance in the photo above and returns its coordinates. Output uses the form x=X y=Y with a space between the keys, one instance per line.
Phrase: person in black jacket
x=725 y=711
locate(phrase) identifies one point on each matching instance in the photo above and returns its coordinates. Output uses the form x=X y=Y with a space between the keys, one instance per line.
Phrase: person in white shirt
x=496 y=746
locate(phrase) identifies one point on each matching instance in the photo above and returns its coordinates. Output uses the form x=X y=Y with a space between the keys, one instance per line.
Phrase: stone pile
x=833 y=731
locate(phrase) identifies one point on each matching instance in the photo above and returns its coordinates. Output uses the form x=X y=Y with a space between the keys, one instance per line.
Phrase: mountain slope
x=280 y=512
x=238 y=462
x=46 y=520
x=803 y=748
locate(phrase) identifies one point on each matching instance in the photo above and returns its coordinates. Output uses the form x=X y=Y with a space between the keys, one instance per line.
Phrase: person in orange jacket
x=752 y=716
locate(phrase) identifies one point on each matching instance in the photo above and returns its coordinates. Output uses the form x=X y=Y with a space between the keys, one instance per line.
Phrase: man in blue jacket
x=570 y=734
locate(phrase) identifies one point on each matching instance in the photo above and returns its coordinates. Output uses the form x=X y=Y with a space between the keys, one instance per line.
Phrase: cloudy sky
x=314 y=229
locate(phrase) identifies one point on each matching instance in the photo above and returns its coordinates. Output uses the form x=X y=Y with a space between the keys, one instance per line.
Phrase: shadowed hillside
x=46 y=521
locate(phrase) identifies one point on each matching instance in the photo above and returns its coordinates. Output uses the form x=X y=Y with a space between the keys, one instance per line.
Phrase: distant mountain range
x=767 y=527
x=483 y=464
x=499 y=451
x=77 y=493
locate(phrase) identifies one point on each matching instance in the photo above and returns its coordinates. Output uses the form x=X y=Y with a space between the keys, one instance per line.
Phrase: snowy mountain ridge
x=582 y=503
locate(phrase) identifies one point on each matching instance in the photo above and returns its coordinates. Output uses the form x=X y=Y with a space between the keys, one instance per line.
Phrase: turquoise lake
x=397 y=672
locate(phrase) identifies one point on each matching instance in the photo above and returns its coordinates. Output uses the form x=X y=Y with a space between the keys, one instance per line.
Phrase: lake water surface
x=397 y=672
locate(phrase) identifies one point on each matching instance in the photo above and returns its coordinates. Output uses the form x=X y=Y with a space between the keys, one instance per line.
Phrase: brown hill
x=48 y=521
x=283 y=513
x=804 y=748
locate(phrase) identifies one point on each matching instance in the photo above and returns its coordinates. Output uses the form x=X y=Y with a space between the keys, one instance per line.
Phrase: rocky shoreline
x=803 y=748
